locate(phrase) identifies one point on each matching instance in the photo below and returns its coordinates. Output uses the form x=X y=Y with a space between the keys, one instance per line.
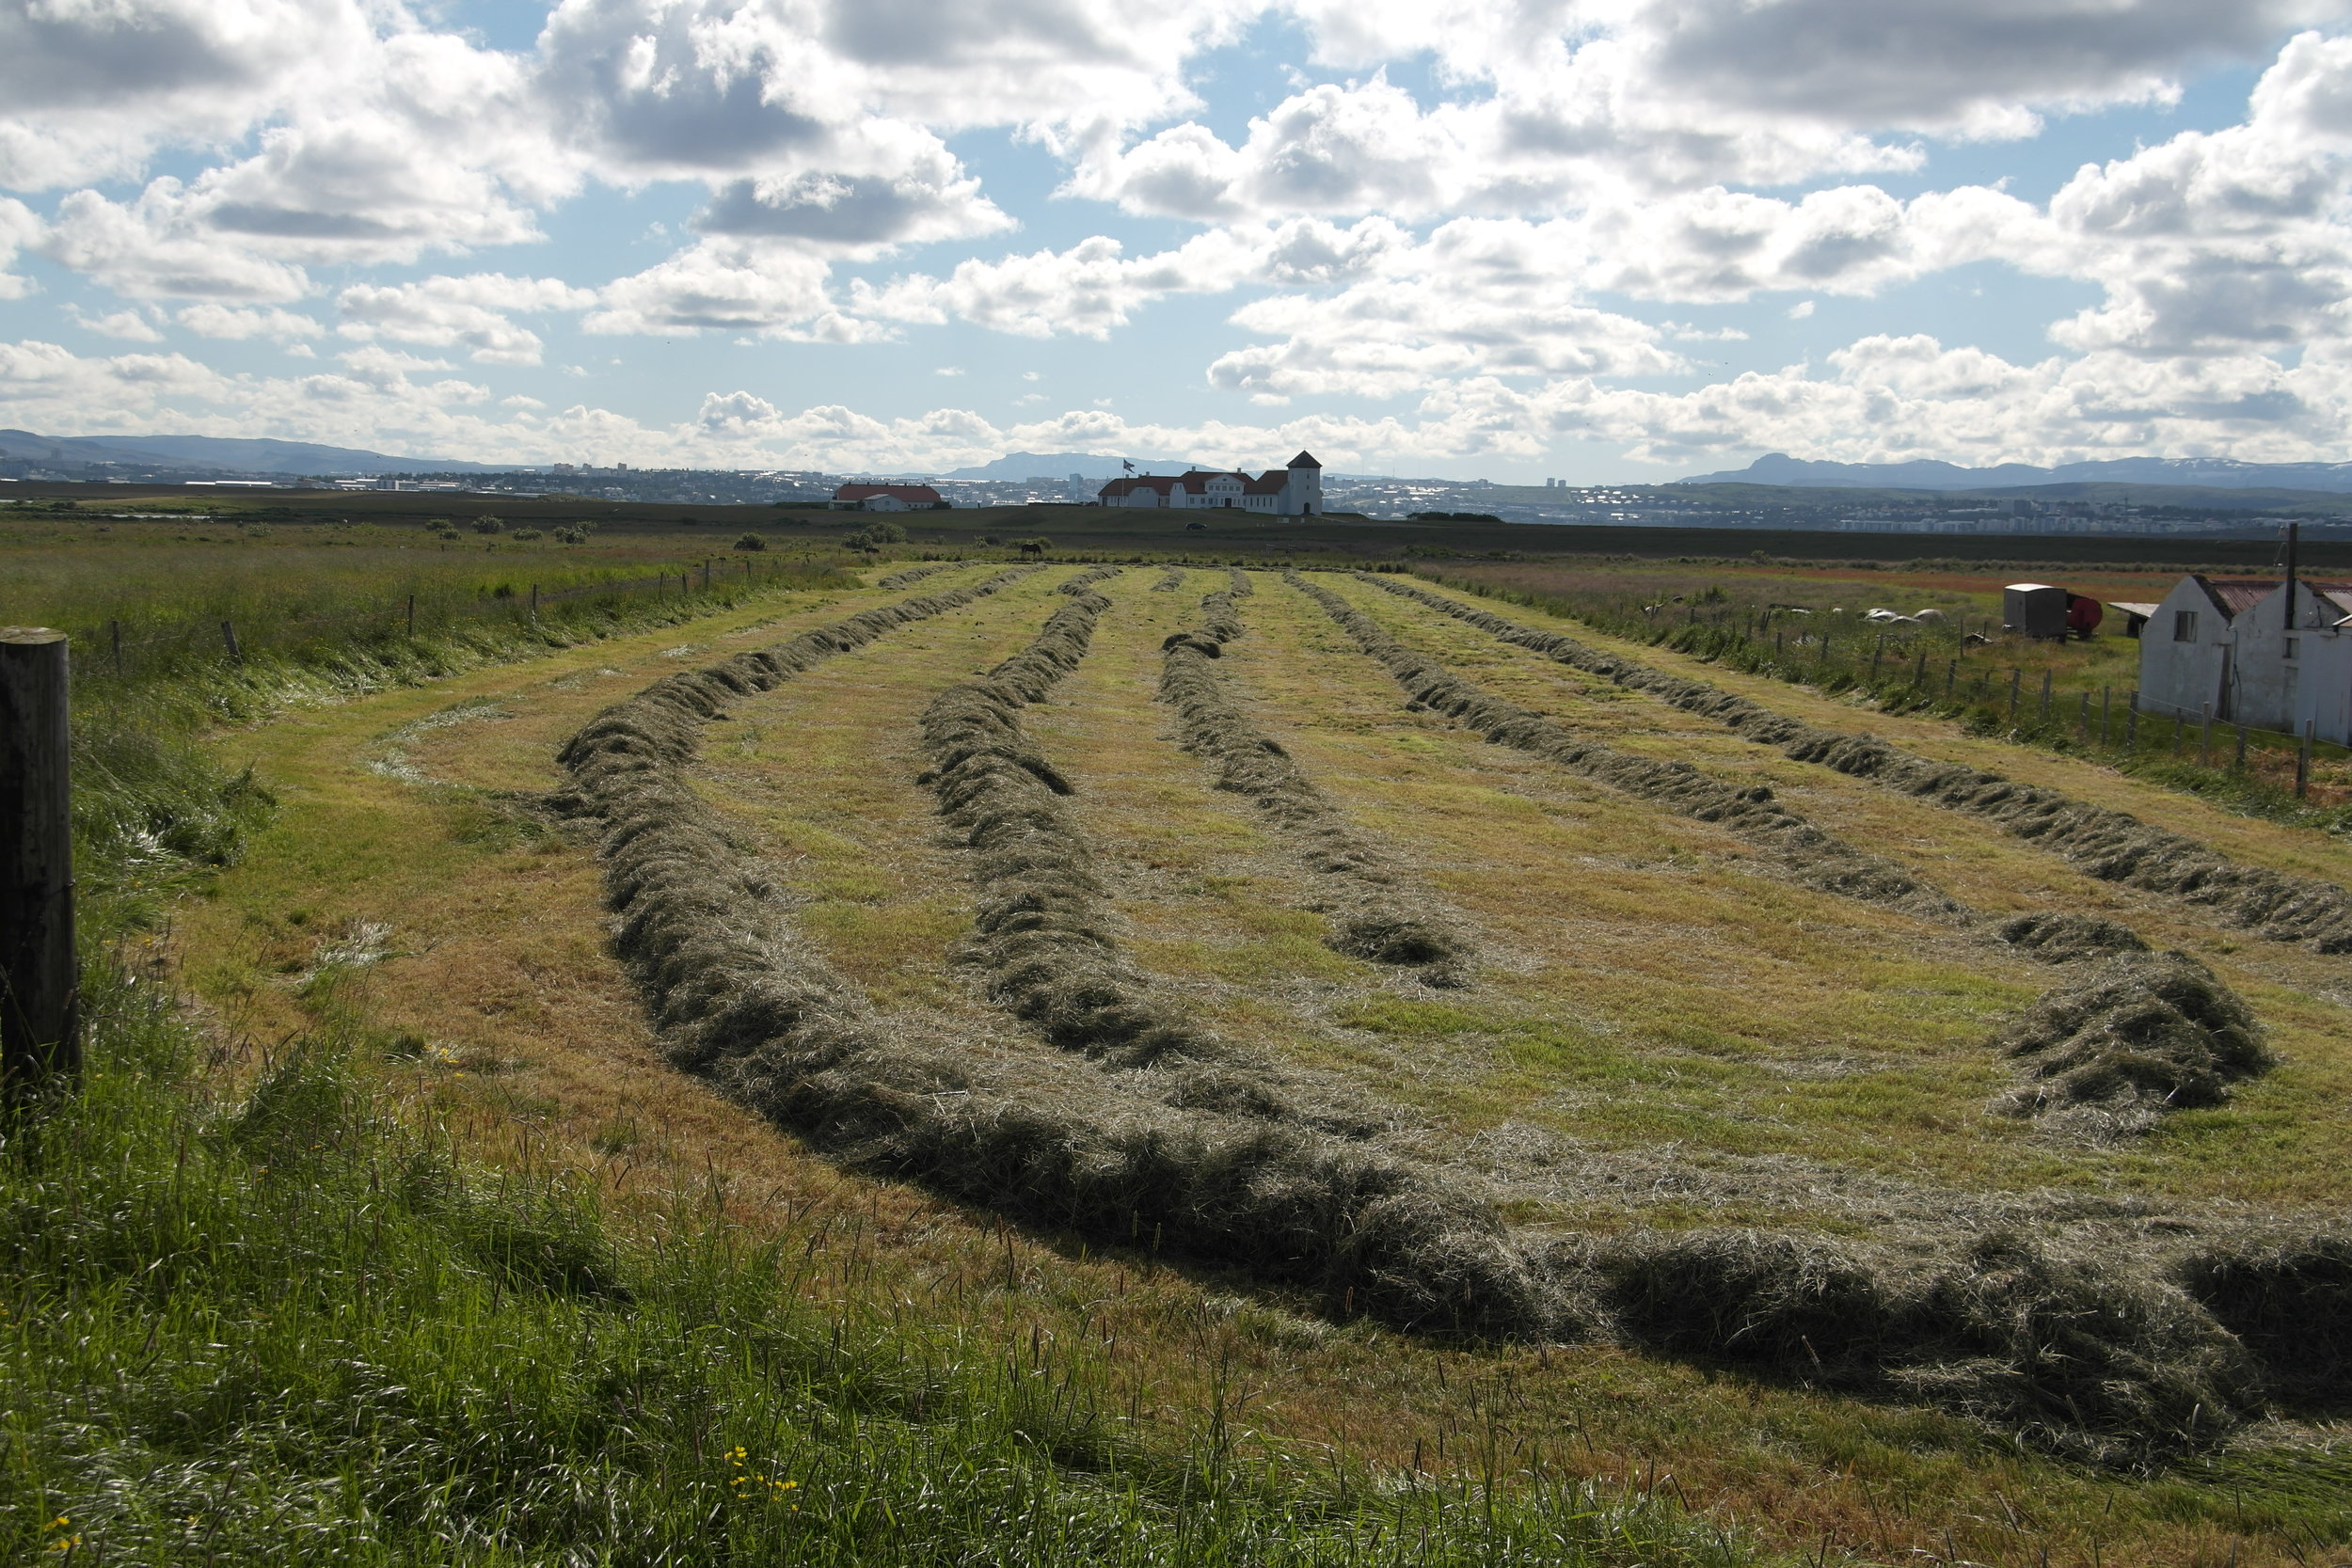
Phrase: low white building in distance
x=2230 y=644
x=1292 y=491
x=887 y=497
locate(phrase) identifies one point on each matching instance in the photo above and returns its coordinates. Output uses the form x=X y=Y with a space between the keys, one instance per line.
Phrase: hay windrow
x=917 y=573
x=2109 y=844
x=2097 y=1086
x=2287 y=1296
x=2129 y=1037
x=1810 y=856
x=1043 y=931
x=1170 y=580
x=1371 y=912
x=1185 y=1161
x=2081 y=1352
x=2071 y=1350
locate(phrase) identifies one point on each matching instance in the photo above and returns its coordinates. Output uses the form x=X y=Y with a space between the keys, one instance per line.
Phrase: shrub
x=751 y=542
x=490 y=525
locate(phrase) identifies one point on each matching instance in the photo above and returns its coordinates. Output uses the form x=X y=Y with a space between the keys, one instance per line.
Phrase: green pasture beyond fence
x=1923 y=669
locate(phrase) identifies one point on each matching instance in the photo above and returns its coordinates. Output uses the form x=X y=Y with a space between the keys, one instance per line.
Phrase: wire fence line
x=1959 y=673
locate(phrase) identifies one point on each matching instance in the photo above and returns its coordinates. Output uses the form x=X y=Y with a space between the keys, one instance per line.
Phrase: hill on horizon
x=1929 y=474
x=1017 y=465
x=223 y=453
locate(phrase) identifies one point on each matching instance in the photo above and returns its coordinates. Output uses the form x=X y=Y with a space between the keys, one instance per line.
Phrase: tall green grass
x=151 y=807
x=289 y=1328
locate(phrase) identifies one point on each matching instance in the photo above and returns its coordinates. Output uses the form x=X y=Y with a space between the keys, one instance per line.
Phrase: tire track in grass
x=2101 y=1056
x=1370 y=915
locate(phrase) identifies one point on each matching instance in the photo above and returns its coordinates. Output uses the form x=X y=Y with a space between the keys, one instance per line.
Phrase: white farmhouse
x=1294 y=491
x=2229 y=643
x=887 y=497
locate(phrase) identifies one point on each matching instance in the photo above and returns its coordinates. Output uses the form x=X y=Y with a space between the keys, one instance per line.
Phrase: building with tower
x=1295 y=490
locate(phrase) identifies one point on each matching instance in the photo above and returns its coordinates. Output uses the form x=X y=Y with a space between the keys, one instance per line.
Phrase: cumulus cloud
x=473 y=312
x=131 y=327
x=227 y=321
x=1480 y=252
x=722 y=286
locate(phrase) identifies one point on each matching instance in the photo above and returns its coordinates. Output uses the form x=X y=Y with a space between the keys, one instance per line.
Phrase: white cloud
x=473 y=312
x=724 y=286
x=129 y=326
x=224 y=321
x=156 y=247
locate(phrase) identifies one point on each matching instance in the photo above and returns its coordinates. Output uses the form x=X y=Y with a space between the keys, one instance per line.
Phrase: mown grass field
x=1660 y=1032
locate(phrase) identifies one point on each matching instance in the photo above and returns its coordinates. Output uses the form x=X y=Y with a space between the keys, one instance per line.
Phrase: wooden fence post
x=2241 y=749
x=114 y=635
x=2106 y=708
x=2204 y=739
x=229 y=637
x=412 y=615
x=535 y=604
x=2045 y=696
x=2016 y=682
x=41 y=1002
x=2303 y=763
x=2131 y=723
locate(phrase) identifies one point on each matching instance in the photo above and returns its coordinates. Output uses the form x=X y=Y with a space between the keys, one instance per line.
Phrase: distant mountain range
x=220 y=453
x=2220 y=473
x=1018 y=466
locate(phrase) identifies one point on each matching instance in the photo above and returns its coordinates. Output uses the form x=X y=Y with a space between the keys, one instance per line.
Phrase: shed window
x=2184 y=626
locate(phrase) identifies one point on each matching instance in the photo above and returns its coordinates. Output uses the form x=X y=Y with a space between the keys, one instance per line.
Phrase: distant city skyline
x=1604 y=244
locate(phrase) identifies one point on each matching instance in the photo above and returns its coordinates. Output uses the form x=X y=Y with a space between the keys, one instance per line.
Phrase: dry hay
x=1371 y=914
x=2079 y=1351
x=2094 y=1084
x=2129 y=1037
x=917 y=573
x=1170 y=580
x=2110 y=844
x=1811 y=856
x=1197 y=1162
x=2084 y=1353
x=1042 y=929
x=2288 y=1297
x=2062 y=938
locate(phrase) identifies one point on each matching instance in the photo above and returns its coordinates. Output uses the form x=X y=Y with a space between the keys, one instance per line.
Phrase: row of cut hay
x=1043 y=927
x=1813 y=858
x=2110 y=844
x=2044 y=1341
x=2101 y=1056
x=2129 y=1033
x=1193 y=1161
x=914 y=575
x=1371 y=914
x=1170 y=580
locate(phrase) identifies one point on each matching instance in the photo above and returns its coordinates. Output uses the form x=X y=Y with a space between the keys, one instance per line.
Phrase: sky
x=1604 y=241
